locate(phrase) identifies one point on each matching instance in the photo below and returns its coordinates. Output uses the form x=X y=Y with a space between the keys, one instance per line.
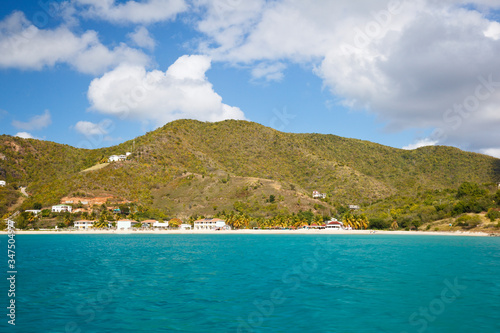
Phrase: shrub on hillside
x=468 y=221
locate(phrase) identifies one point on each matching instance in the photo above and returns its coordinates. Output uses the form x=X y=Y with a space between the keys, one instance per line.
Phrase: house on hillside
x=34 y=211
x=116 y=158
x=84 y=224
x=125 y=224
x=2 y=183
x=354 y=207
x=61 y=208
x=210 y=224
x=318 y=195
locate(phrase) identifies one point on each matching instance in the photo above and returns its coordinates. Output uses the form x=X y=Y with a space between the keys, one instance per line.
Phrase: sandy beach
x=254 y=232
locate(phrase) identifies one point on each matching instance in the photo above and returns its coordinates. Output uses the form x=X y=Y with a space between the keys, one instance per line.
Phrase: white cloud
x=24 y=135
x=88 y=128
x=407 y=64
x=24 y=46
x=495 y=152
x=183 y=91
x=421 y=143
x=144 y=12
x=269 y=72
x=35 y=123
x=142 y=38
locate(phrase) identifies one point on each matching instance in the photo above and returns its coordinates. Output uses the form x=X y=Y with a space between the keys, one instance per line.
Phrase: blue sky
x=92 y=73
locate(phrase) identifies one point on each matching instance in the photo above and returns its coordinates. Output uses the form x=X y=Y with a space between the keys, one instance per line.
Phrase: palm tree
x=394 y=225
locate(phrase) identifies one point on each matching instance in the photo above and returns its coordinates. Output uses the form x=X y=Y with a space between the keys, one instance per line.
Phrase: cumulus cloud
x=495 y=152
x=35 y=123
x=24 y=135
x=89 y=128
x=24 y=46
x=140 y=12
x=415 y=64
x=421 y=143
x=142 y=38
x=183 y=91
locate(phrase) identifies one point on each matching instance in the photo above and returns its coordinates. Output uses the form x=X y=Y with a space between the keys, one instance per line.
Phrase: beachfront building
x=185 y=226
x=125 y=224
x=61 y=208
x=84 y=224
x=334 y=224
x=2 y=183
x=157 y=224
x=209 y=224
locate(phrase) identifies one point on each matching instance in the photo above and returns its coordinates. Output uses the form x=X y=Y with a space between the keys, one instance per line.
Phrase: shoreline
x=251 y=232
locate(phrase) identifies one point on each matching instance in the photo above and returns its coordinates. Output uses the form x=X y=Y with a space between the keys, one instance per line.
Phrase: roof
x=210 y=220
x=149 y=221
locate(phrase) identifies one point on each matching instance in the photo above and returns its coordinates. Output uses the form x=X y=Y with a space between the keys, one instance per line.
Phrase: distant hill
x=191 y=167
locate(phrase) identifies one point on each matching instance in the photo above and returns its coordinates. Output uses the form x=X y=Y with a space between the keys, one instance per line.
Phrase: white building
x=34 y=211
x=125 y=224
x=116 y=158
x=84 y=224
x=61 y=208
x=2 y=183
x=334 y=224
x=185 y=226
x=354 y=207
x=160 y=224
x=209 y=224
x=317 y=195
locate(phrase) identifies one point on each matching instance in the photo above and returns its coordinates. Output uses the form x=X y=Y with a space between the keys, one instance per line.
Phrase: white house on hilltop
x=61 y=208
x=116 y=158
x=2 y=183
x=317 y=195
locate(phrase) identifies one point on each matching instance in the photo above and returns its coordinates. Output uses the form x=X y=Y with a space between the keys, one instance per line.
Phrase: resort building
x=185 y=226
x=61 y=208
x=125 y=224
x=84 y=224
x=157 y=224
x=209 y=224
x=334 y=224
x=2 y=183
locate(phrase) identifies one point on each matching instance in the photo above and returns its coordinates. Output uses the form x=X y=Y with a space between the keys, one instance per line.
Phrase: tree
x=394 y=225
x=37 y=205
x=174 y=223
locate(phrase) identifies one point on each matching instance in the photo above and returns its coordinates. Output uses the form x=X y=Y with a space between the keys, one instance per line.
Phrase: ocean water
x=254 y=283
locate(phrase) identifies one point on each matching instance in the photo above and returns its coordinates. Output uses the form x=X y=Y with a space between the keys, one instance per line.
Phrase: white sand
x=254 y=232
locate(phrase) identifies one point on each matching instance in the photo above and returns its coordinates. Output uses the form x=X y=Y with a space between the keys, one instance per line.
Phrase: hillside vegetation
x=189 y=167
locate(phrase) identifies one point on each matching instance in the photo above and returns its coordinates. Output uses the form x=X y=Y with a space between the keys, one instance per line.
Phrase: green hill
x=190 y=167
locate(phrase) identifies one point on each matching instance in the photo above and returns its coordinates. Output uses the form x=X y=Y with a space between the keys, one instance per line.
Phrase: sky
x=95 y=73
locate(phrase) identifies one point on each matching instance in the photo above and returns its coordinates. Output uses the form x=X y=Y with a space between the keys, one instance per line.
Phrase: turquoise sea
x=254 y=283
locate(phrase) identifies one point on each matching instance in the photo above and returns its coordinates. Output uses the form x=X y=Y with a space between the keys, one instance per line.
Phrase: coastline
x=251 y=232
